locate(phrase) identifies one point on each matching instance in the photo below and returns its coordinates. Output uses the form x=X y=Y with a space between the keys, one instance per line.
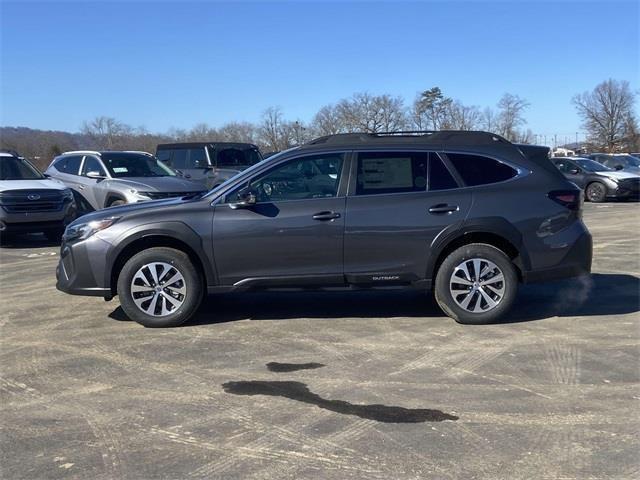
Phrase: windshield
x=628 y=160
x=249 y=171
x=123 y=165
x=592 y=166
x=14 y=168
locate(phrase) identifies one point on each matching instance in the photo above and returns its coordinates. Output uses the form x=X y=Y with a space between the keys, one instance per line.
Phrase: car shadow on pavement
x=597 y=294
x=300 y=392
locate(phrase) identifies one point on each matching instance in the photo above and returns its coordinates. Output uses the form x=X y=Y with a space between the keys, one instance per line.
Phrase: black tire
x=54 y=235
x=116 y=203
x=445 y=299
x=192 y=282
x=596 y=192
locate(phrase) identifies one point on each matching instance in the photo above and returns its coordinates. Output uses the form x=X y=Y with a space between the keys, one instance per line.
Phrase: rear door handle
x=324 y=216
x=443 y=208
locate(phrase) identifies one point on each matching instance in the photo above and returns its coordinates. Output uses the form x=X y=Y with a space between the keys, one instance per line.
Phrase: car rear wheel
x=596 y=192
x=160 y=287
x=476 y=284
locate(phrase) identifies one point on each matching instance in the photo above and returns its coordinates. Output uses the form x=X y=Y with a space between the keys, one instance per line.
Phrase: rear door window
x=480 y=170
x=391 y=172
x=91 y=164
x=237 y=157
x=197 y=158
x=70 y=164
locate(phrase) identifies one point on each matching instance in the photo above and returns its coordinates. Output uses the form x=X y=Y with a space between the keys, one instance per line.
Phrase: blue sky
x=163 y=64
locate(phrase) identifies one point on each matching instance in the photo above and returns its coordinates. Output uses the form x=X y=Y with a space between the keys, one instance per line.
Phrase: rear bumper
x=576 y=262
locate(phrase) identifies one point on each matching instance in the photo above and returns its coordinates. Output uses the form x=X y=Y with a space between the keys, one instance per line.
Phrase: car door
x=197 y=166
x=293 y=235
x=572 y=172
x=398 y=202
x=91 y=188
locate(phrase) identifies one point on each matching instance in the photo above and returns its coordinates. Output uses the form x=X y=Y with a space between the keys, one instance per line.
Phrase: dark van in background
x=210 y=163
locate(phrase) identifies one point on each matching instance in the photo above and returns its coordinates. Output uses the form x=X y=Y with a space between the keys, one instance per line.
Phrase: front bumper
x=28 y=222
x=575 y=263
x=81 y=268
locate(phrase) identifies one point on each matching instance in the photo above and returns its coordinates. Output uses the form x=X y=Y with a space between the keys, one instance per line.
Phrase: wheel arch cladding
x=179 y=237
x=492 y=231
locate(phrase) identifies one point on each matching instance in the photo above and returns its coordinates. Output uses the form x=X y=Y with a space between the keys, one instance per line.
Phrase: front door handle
x=443 y=208
x=324 y=216
x=80 y=187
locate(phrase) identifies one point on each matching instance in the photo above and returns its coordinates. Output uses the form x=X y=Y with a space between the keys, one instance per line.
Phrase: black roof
x=205 y=144
x=431 y=138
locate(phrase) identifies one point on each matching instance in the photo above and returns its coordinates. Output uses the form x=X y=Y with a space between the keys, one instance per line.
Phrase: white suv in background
x=31 y=202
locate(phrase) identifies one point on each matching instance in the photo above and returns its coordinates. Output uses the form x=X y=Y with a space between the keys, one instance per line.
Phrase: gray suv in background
x=467 y=214
x=209 y=163
x=108 y=179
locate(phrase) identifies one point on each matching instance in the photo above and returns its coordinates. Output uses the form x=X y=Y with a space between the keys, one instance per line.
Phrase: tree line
x=607 y=114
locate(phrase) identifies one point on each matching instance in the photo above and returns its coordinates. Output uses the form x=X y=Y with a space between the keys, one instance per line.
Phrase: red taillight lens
x=570 y=199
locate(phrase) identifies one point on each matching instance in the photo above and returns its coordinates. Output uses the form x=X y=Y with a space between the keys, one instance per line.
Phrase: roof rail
x=92 y=152
x=453 y=137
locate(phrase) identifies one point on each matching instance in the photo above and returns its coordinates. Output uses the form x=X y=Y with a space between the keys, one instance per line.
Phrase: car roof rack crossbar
x=449 y=137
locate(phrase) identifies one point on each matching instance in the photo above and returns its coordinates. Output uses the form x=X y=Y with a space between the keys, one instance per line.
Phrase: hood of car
x=158 y=184
x=618 y=174
x=45 y=183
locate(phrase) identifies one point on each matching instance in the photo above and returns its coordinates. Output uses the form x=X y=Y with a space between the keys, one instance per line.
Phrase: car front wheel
x=160 y=287
x=476 y=284
x=596 y=192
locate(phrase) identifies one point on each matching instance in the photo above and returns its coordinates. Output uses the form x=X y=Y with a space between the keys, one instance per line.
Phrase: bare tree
x=271 y=130
x=489 y=120
x=463 y=117
x=106 y=132
x=607 y=114
x=244 y=132
x=368 y=113
x=327 y=121
x=511 y=115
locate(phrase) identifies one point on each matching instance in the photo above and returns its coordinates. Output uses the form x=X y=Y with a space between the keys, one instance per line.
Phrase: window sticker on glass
x=387 y=173
x=120 y=169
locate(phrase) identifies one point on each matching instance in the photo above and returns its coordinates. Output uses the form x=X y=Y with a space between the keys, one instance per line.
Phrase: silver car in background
x=110 y=178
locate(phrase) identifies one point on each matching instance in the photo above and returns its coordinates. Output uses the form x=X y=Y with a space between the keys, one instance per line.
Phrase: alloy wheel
x=158 y=289
x=477 y=285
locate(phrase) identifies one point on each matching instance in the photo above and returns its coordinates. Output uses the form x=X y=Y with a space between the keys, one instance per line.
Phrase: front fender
x=174 y=230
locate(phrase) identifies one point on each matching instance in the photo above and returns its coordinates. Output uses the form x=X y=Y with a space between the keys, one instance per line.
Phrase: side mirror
x=574 y=171
x=246 y=199
x=618 y=167
x=95 y=175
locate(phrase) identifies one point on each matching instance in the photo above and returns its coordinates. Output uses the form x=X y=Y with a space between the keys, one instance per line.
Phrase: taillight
x=571 y=199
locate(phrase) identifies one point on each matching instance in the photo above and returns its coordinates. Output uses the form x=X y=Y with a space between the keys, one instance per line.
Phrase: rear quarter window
x=480 y=170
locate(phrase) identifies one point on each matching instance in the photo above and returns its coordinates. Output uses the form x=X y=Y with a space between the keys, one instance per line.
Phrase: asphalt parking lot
x=326 y=385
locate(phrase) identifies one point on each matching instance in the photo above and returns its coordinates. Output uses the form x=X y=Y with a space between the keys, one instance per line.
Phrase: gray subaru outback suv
x=467 y=214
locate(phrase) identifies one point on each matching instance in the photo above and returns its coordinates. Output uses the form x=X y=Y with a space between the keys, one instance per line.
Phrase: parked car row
x=599 y=181
x=79 y=182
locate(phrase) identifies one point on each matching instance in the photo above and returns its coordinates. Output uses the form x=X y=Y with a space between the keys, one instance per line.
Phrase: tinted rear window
x=479 y=170
x=237 y=157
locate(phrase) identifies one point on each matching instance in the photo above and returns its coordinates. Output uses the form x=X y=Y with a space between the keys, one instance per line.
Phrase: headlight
x=67 y=194
x=82 y=231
